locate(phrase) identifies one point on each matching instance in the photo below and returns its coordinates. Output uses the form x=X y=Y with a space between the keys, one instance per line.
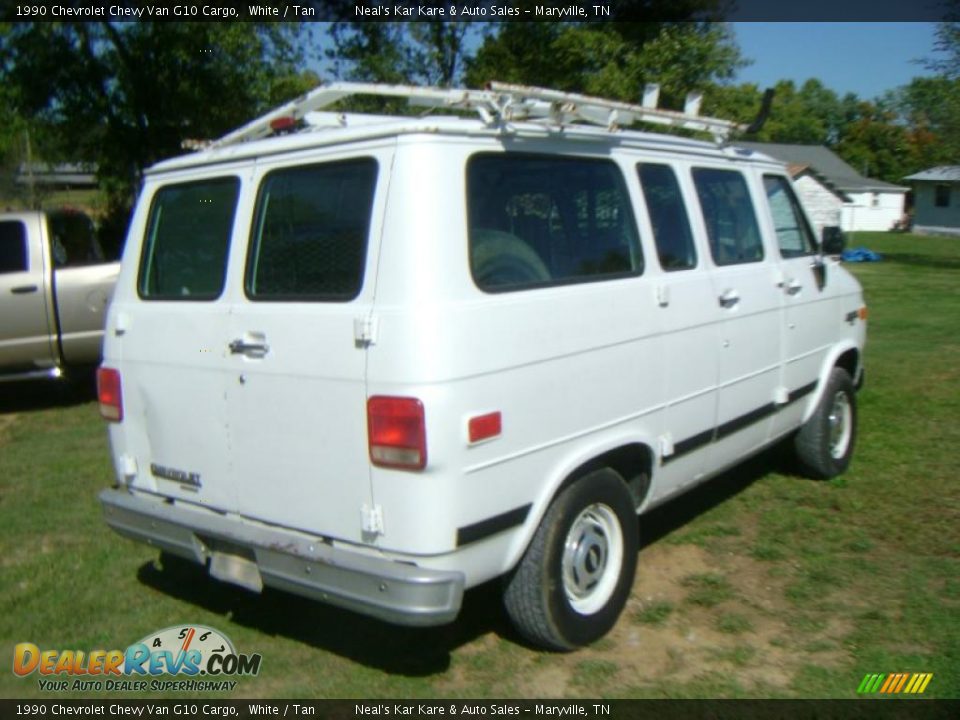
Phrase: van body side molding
x=491 y=526
x=695 y=442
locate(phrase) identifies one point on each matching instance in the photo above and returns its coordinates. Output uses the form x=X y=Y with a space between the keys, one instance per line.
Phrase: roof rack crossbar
x=499 y=103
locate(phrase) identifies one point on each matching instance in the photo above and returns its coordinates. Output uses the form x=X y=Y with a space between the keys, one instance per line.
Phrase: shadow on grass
x=410 y=652
x=415 y=652
x=678 y=512
x=33 y=395
x=927 y=261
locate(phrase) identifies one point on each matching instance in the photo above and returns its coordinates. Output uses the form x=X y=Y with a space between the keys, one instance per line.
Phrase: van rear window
x=310 y=232
x=188 y=236
x=544 y=220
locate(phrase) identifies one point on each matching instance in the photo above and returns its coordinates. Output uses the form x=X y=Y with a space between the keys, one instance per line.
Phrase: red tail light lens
x=397 y=432
x=109 y=394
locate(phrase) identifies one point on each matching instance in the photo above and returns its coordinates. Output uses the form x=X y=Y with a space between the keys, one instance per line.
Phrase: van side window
x=310 y=232
x=668 y=216
x=188 y=235
x=544 y=220
x=793 y=232
x=13 y=247
x=729 y=216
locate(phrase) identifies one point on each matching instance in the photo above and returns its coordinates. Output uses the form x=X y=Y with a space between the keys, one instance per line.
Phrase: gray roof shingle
x=826 y=162
x=943 y=173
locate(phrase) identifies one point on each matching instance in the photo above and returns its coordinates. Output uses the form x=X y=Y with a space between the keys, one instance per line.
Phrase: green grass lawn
x=759 y=583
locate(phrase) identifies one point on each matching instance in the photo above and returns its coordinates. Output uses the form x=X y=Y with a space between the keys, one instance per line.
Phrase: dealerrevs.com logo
x=205 y=657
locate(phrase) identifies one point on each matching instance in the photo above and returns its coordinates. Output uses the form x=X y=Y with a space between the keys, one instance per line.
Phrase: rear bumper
x=396 y=592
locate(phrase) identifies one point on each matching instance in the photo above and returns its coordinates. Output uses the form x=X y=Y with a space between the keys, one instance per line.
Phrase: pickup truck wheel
x=824 y=445
x=576 y=575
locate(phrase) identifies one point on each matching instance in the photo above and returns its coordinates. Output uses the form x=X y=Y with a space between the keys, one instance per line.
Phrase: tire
x=575 y=577
x=824 y=445
x=503 y=260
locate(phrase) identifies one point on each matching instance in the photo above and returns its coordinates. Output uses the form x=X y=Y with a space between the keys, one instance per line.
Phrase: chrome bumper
x=382 y=588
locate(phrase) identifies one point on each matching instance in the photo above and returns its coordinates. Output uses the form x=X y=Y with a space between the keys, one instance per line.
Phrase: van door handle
x=255 y=349
x=729 y=298
x=793 y=287
x=24 y=289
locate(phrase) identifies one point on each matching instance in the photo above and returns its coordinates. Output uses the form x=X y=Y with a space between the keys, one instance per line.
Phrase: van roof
x=351 y=128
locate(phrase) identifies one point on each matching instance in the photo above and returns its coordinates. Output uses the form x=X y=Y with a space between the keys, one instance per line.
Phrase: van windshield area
x=184 y=256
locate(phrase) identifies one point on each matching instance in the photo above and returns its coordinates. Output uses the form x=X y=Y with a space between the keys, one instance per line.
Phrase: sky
x=864 y=58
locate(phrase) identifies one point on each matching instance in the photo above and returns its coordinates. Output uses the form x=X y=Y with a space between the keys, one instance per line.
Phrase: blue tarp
x=861 y=254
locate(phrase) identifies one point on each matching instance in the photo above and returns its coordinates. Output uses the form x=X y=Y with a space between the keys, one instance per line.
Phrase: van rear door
x=296 y=391
x=169 y=335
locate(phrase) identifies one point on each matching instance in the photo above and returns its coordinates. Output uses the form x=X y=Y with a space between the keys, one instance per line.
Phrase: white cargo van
x=377 y=361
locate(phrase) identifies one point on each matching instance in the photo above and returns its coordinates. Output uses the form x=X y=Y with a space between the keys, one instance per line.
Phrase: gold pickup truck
x=55 y=284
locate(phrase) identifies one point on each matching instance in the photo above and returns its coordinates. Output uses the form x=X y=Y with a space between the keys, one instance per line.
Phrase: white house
x=869 y=204
x=936 y=207
x=823 y=200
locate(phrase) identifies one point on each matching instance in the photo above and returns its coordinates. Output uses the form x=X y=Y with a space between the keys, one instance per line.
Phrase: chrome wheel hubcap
x=840 y=424
x=592 y=558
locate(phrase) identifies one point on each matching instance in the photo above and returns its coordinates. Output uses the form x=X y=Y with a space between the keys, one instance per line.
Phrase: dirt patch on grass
x=672 y=634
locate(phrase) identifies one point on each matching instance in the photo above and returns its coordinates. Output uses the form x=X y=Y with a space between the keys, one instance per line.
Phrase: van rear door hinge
x=372 y=519
x=365 y=331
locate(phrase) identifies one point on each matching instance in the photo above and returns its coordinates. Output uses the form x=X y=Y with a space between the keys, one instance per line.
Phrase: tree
x=429 y=52
x=931 y=107
x=947 y=44
x=126 y=95
x=613 y=60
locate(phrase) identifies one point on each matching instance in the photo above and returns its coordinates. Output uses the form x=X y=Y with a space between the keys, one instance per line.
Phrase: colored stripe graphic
x=894 y=683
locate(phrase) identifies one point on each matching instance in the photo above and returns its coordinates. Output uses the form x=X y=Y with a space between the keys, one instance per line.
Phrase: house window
x=941 y=195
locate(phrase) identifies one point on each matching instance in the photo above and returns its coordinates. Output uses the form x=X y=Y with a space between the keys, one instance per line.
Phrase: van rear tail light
x=109 y=394
x=397 y=432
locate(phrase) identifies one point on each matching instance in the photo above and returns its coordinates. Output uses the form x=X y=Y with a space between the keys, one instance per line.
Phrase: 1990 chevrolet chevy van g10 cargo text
x=377 y=361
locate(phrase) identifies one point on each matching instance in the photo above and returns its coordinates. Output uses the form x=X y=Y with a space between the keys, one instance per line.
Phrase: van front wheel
x=576 y=575
x=824 y=444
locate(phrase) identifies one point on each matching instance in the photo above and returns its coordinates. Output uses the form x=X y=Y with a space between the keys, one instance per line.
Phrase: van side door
x=747 y=306
x=26 y=338
x=808 y=323
x=685 y=305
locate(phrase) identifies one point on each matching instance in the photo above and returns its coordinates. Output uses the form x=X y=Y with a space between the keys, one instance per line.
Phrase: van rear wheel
x=575 y=577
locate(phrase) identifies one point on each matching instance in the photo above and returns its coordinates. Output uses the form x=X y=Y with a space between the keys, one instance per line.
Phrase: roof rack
x=498 y=104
